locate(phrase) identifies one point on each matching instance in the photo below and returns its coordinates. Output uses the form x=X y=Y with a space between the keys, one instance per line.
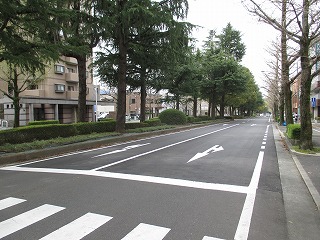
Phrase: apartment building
x=53 y=98
x=315 y=85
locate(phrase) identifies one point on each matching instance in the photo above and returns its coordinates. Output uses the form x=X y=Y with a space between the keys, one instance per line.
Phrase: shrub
x=203 y=118
x=191 y=119
x=98 y=127
x=153 y=122
x=293 y=131
x=36 y=132
x=105 y=119
x=173 y=117
x=43 y=122
x=135 y=125
x=229 y=117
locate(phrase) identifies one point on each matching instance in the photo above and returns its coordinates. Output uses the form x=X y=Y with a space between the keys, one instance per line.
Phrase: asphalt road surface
x=217 y=182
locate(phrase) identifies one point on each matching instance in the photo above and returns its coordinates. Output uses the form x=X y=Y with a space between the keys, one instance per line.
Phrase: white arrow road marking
x=121 y=150
x=215 y=148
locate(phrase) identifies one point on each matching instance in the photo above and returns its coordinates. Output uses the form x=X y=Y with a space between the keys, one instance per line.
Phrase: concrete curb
x=313 y=191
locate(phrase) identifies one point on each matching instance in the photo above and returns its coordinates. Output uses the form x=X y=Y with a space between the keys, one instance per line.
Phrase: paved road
x=211 y=183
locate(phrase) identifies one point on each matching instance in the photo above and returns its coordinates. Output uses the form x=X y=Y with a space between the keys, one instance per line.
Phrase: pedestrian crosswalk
x=77 y=229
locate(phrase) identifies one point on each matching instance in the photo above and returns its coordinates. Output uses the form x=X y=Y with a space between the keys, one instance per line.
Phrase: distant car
x=103 y=115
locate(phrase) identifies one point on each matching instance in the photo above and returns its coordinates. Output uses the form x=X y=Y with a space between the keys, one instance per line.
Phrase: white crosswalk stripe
x=79 y=227
x=211 y=238
x=9 y=202
x=23 y=220
x=147 y=232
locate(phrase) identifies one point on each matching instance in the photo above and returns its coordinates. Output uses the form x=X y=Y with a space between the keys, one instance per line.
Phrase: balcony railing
x=33 y=93
x=72 y=95
x=72 y=77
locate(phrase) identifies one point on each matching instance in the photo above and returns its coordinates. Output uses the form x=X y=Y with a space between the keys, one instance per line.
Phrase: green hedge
x=105 y=119
x=191 y=119
x=49 y=131
x=134 y=125
x=293 y=131
x=173 y=117
x=43 y=122
x=203 y=118
x=153 y=122
x=36 y=132
x=97 y=127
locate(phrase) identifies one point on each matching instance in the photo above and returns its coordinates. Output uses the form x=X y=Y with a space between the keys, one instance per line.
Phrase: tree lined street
x=231 y=191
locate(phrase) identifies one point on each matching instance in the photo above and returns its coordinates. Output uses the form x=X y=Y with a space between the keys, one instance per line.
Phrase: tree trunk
x=16 y=99
x=213 y=107
x=306 y=126
x=122 y=70
x=281 y=106
x=177 y=101
x=285 y=67
x=143 y=91
x=195 y=106
x=222 y=105
x=82 y=101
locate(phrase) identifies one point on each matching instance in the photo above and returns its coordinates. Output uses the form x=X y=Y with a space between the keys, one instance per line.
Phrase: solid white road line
x=147 y=232
x=23 y=220
x=158 y=149
x=10 y=201
x=243 y=228
x=139 y=178
x=79 y=228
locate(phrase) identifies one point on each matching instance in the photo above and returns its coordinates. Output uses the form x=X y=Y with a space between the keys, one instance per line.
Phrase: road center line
x=158 y=149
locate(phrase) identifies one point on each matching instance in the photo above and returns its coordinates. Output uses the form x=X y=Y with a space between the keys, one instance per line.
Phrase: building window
x=59 y=88
x=70 y=88
x=133 y=101
x=71 y=70
x=59 y=69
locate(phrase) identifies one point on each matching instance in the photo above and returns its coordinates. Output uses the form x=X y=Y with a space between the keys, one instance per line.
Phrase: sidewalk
x=308 y=164
x=300 y=182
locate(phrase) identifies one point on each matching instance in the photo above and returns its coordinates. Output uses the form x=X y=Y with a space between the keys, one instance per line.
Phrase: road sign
x=313 y=102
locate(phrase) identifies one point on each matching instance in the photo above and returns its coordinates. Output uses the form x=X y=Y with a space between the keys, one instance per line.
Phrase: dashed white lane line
x=147 y=232
x=9 y=202
x=25 y=219
x=79 y=228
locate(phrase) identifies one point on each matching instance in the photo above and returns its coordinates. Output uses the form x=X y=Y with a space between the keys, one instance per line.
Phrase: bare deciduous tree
x=301 y=26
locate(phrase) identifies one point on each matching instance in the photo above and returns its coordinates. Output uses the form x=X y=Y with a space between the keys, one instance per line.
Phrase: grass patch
x=41 y=144
x=314 y=151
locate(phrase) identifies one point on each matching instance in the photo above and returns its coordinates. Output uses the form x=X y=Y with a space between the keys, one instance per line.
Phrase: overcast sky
x=257 y=36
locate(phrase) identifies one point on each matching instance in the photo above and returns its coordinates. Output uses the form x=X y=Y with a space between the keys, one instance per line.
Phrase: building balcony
x=72 y=95
x=71 y=60
x=34 y=93
x=315 y=87
x=72 y=77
